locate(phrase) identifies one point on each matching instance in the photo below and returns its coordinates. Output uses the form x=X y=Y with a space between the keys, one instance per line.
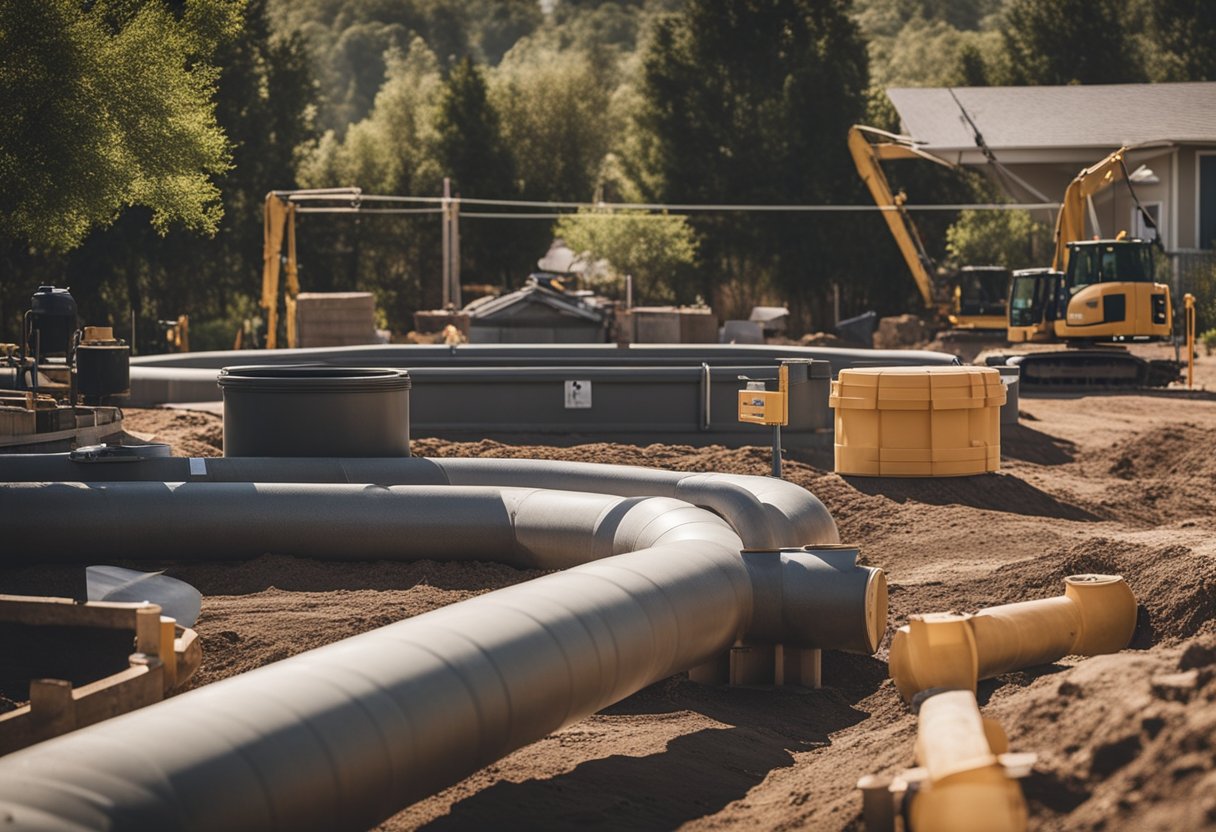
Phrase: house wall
x=1114 y=206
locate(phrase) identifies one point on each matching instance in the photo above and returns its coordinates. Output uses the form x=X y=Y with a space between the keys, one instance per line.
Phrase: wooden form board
x=163 y=659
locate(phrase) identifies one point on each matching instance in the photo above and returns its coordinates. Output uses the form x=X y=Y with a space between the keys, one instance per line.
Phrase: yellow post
x=1188 y=301
x=767 y=407
x=278 y=213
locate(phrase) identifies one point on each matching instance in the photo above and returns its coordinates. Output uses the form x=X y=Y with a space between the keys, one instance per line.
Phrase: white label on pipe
x=198 y=466
x=578 y=395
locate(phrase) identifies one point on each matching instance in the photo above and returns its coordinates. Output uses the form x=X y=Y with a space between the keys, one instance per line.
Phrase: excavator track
x=1093 y=369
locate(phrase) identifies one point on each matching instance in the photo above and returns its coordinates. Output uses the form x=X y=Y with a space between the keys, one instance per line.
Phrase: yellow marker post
x=759 y=406
x=1188 y=301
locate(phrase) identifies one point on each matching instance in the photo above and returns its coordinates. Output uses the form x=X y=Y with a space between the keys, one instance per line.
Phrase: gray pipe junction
x=662 y=572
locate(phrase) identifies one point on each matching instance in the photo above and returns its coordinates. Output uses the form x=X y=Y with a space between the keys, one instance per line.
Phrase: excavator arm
x=867 y=156
x=1070 y=224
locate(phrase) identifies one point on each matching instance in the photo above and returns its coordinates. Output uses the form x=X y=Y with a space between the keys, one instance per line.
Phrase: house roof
x=1026 y=118
x=516 y=304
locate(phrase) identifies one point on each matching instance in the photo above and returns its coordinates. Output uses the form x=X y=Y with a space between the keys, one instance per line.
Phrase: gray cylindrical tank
x=309 y=410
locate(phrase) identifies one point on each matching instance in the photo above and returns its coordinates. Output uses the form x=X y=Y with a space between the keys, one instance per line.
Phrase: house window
x=1207 y=201
x=1141 y=227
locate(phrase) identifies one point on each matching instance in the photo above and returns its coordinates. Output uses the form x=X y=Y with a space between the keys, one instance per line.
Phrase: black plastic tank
x=316 y=411
x=103 y=366
x=52 y=321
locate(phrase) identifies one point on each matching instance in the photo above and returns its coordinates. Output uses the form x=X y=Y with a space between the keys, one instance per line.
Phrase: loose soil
x=1089 y=483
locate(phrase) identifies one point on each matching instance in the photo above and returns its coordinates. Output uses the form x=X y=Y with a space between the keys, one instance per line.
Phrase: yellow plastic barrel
x=918 y=421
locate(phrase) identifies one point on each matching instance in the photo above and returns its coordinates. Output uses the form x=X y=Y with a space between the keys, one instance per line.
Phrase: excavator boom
x=867 y=156
x=1070 y=225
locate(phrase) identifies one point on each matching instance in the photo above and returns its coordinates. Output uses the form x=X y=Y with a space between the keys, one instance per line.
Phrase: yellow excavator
x=976 y=298
x=1096 y=292
x=279 y=220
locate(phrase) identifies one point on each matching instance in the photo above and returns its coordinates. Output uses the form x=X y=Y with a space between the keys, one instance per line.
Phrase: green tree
x=658 y=250
x=264 y=102
x=392 y=151
x=554 y=107
x=1182 y=40
x=470 y=148
x=1070 y=42
x=104 y=106
x=997 y=238
x=749 y=101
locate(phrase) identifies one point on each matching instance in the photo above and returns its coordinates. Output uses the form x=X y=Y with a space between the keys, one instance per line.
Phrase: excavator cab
x=980 y=297
x=1111 y=293
x=1107 y=292
x=1034 y=304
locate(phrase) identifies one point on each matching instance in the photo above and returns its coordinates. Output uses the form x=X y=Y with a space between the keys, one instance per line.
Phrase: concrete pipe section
x=344 y=736
x=1096 y=615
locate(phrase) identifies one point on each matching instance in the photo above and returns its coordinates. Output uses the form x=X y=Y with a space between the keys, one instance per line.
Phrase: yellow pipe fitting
x=965 y=786
x=1096 y=615
x=1108 y=613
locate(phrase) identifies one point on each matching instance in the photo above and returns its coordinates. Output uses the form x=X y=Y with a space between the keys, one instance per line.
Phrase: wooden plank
x=52 y=707
x=64 y=612
x=168 y=651
x=189 y=653
x=139 y=685
x=147 y=630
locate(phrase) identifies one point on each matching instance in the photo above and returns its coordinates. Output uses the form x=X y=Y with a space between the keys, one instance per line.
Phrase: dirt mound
x=1183 y=450
x=992 y=492
x=187 y=432
x=1124 y=742
x=1172 y=583
x=747 y=460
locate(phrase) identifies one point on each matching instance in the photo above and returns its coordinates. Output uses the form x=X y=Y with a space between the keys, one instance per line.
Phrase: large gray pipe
x=766 y=512
x=414 y=356
x=344 y=736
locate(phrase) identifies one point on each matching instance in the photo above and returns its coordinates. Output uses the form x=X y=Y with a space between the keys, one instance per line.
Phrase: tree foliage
x=657 y=250
x=748 y=101
x=1070 y=42
x=997 y=238
x=106 y=106
x=1181 y=42
x=470 y=148
x=131 y=131
x=263 y=102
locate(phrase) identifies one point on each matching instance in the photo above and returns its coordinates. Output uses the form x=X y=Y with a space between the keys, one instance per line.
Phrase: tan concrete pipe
x=1096 y=614
x=344 y=736
x=766 y=512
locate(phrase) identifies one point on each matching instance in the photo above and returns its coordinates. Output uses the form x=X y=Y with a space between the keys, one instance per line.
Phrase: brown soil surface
x=1089 y=483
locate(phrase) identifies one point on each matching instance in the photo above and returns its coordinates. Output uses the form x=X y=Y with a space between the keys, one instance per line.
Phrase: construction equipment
x=279 y=218
x=975 y=299
x=1096 y=291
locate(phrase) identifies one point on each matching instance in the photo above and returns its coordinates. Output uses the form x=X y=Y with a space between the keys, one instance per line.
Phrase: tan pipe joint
x=1096 y=615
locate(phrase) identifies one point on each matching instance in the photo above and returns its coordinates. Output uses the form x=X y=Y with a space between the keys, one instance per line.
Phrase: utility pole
x=451 y=247
x=447 y=242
